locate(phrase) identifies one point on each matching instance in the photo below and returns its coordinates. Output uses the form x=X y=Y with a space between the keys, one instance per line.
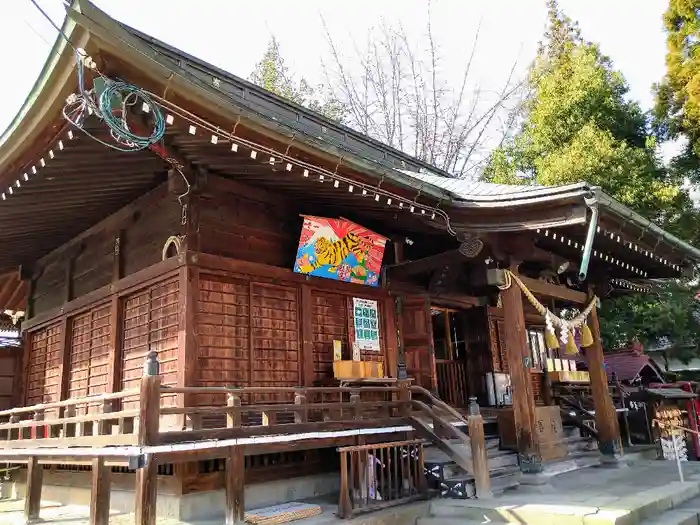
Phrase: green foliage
x=677 y=108
x=669 y=313
x=273 y=74
x=577 y=125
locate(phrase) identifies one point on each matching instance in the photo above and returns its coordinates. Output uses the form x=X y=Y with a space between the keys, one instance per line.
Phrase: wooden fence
x=247 y=421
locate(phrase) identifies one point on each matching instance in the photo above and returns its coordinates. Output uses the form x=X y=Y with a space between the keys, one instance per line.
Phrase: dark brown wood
x=546 y=289
x=68 y=281
x=523 y=399
x=118 y=258
x=115 y=344
x=392 y=338
x=149 y=410
x=307 y=334
x=477 y=439
x=344 y=505
x=188 y=340
x=157 y=272
x=605 y=414
x=146 y=494
x=99 y=495
x=64 y=357
x=416 y=331
x=235 y=487
x=32 y=501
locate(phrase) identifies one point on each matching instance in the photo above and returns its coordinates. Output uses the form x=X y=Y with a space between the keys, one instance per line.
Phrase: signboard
x=366 y=321
x=341 y=250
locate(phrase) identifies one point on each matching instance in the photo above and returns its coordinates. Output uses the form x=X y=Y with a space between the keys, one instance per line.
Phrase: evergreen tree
x=273 y=74
x=577 y=126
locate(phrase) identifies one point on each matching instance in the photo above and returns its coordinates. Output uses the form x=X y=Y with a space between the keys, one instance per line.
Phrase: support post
x=523 y=399
x=149 y=424
x=480 y=462
x=235 y=487
x=401 y=361
x=605 y=414
x=99 y=496
x=32 y=501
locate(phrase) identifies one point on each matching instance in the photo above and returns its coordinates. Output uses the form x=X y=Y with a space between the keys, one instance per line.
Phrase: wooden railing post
x=32 y=501
x=148 y=429
x=99 y=495
x=344 y=505
x=356 y=402
x=480 y=461
x=149 y=406
x=235 y=486
x=233 y=417
x=404 y=396
x=301 y=415
x=38 y=427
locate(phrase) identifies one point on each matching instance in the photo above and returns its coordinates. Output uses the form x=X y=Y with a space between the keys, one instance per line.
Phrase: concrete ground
x=627 y=495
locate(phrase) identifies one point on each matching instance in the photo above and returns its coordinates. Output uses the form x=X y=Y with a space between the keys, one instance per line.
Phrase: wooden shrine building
x=293 y=286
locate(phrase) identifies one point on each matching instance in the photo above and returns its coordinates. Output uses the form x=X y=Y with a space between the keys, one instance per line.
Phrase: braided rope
x=576 y=322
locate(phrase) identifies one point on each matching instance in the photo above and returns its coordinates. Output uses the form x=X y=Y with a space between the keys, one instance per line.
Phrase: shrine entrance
x=450 y=346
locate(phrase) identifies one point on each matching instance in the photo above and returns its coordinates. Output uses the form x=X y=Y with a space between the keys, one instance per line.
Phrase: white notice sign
x=366 y=320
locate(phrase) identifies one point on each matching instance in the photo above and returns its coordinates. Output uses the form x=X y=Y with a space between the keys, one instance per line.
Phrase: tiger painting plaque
x=341 y=250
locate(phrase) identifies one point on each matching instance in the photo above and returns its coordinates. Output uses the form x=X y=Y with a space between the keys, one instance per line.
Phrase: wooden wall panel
x=330 y=322
x=43 y=369
x=92 y=268
x=88 y=367
x=223 y=329
x=49 y=287
x=9 y=358
x=242 y=227
x=275 y=337
x=144 y=233
x=151 y=323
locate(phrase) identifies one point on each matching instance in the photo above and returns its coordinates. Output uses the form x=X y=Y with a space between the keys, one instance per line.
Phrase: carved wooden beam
x=426 y=264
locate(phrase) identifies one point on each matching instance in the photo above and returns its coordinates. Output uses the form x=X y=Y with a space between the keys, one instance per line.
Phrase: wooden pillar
x=520 y=377
x=235 y=487
x=187 y=336
x=32 y=501
x=605 y=414
x=391 y=338
x=99 y=496
x=307 y=336
x=148 y=430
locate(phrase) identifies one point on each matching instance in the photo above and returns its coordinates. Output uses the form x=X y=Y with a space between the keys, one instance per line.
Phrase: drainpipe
x=592 y=204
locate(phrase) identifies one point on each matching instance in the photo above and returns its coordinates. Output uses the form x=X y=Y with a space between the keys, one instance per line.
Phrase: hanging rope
x=551 y=319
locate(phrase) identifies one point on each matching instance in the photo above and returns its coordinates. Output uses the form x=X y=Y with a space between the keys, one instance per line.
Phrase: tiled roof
x=469 y=189
x=626 y=364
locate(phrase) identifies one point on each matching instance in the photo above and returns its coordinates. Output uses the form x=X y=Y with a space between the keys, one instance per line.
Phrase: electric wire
x=81 y=108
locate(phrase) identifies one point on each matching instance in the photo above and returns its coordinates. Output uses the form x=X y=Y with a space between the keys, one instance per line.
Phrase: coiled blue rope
x=117 y=122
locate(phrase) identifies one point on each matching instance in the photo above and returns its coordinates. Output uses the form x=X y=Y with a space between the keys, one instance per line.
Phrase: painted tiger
x=332 y=254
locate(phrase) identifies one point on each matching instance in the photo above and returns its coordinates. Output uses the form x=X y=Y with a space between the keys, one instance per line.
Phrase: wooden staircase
x=448 y=458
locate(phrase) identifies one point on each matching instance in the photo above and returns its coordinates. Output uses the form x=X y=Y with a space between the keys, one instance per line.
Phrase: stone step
x=496 y=458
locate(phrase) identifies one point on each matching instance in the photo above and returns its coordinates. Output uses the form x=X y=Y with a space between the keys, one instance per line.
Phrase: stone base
x=73 y=488
x=530 y=464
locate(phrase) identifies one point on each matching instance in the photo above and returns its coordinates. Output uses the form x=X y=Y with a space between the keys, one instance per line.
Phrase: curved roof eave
x=32 y=117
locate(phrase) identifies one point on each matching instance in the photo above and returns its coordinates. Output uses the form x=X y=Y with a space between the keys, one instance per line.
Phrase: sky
x=233 y=35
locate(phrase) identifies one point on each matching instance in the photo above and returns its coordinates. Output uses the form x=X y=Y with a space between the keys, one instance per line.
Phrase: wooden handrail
x=439 y=403
x=274 y=389
x=71 y=402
